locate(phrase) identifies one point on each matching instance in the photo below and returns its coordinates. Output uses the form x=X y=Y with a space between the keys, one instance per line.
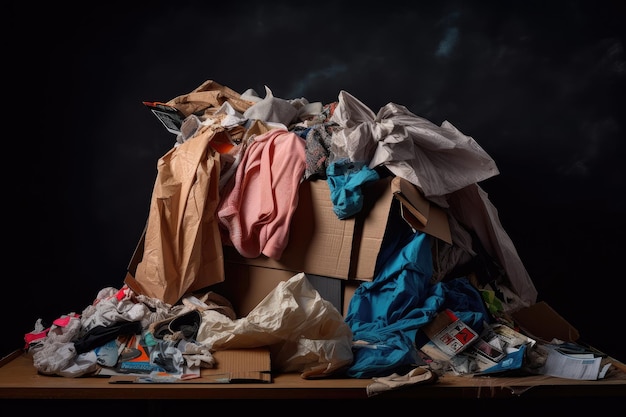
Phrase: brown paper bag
x=182 y=250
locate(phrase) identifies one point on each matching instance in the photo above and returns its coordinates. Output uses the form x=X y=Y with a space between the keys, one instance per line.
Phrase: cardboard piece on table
x=540 y=321
x=232 y=366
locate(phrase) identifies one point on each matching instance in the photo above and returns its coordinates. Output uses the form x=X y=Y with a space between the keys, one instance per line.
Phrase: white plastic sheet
x=305 y=332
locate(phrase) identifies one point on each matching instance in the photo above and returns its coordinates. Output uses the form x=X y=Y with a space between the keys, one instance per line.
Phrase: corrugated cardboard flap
x=242 y=365
x=419 y=212
x=542 y=322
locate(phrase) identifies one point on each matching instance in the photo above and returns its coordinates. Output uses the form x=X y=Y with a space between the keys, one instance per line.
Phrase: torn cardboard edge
x=233 y=366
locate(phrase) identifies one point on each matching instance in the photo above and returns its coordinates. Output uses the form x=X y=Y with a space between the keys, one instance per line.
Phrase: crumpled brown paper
x=207 y=98
x=182 y=248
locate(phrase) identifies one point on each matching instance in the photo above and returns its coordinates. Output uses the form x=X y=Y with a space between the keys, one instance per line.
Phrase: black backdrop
x=539 y=85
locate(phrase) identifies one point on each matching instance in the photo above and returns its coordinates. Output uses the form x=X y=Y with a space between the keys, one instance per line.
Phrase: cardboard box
x=319 y=243
x=325 y=247
x=247 y=285
x=322 y=244
x=336 y=255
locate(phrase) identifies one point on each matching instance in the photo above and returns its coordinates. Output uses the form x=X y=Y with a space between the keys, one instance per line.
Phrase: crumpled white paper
x=305 y=332
x=419 y=375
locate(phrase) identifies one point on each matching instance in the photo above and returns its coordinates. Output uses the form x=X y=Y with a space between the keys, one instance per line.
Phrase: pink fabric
x=256 y=210
x=65 y=319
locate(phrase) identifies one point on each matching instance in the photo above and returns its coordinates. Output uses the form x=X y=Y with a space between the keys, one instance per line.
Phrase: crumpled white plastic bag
x=305 y=332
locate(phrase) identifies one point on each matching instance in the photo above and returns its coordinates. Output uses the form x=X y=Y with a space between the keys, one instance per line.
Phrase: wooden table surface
x=19 y=380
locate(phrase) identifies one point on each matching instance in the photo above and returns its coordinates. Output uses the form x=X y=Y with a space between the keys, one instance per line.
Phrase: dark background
x=539 y=85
